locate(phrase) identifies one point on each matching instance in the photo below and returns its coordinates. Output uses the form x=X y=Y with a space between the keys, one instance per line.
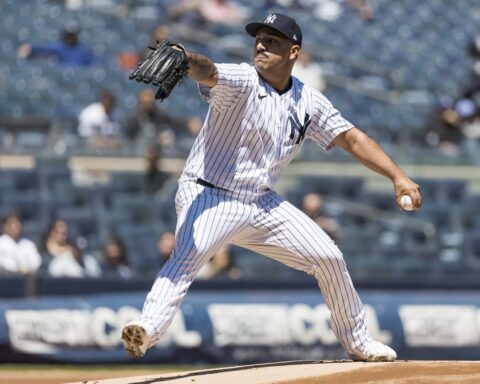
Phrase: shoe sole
x=381 y=358
x=374 y=358
x=133 y=337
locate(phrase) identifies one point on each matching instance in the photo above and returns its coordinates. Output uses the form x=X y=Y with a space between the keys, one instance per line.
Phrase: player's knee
x=190 y=254
x=333 y=257
x=333 y=253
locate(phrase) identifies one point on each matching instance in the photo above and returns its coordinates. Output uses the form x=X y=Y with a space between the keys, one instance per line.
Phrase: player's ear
x=294 y=51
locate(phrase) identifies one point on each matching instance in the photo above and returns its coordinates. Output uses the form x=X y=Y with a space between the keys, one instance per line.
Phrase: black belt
x=207 y=184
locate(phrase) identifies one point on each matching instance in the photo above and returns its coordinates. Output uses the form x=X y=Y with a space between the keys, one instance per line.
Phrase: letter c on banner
x=302 y=324
x=104 y=327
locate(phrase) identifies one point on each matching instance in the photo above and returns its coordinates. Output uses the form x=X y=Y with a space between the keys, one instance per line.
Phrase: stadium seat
x=471 y=249
x=137 y=205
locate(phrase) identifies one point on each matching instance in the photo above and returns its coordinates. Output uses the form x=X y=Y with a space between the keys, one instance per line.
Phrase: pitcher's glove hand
x=164 y=67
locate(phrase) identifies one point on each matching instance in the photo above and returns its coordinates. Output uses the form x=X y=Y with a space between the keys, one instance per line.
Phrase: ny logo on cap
x=270 y=19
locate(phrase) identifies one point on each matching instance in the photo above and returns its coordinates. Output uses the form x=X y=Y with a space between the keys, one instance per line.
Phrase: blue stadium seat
x=471 y=249
x=138 y=206
x=442 y=190
x=25 y=203
x=24 y=179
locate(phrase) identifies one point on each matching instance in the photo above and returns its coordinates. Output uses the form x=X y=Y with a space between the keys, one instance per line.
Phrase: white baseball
x=406 y=203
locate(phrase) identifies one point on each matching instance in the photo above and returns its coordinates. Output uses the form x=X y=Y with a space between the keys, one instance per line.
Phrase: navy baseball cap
x=281 y=23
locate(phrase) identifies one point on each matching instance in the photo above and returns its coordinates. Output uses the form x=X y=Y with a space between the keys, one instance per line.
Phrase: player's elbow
x=354 y=141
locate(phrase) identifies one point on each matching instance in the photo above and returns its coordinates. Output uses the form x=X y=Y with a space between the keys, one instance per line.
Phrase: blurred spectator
x=185 y=11
x=220 y=266
x=97 y=124
x=165 y=246
x=74 y=264
x=454 y=124
x=115 y=260
x=149 y=124
x=308 y=71
x=18 y=255
x=195 y=13
x=364 y=10
x=55 y=241
x=312 y=205
x=221 y=12
x=64 y=258
x=474 y=51
x=69 y=51
x=128 y=59
x=194 y=126
x=155 y=177
x=160 y=33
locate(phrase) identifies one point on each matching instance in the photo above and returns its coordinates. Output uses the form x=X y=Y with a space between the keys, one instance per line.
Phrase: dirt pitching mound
x=325 y=372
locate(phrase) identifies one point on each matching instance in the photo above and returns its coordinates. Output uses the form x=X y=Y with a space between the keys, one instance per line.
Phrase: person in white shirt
x=97 y=124
x=17 y=255
x=308 y=71
x=74 y=264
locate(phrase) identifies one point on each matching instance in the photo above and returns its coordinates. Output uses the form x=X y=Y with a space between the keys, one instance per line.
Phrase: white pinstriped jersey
x=250 y=135
x=251 y=132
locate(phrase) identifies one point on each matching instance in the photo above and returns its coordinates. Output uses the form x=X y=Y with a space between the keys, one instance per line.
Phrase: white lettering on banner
x=374 y=326
x=440 y=325
x=279 y=324
x=249 y=324
x=178 y=334
x=45 y=331
x=104 y=327
x=39 y=331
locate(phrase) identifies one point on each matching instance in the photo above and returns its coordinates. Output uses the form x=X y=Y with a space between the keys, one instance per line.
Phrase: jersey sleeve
x=234 y=81
x=327 y=122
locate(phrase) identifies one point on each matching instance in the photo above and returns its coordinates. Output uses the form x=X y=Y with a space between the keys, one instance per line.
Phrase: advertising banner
x=235 y=327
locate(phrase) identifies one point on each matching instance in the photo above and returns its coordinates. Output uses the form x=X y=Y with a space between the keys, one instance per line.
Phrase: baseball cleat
x=374 y=351
x=135 y=339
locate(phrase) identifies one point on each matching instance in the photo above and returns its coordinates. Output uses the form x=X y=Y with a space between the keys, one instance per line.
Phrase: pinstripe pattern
x=245 y=142
x=250 y=134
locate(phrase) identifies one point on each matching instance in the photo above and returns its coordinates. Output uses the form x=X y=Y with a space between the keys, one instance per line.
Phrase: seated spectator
x=97 y=124
x=55 y=241
x=474 y=52
x=128 y=59
x=74 y=264
x=165 y=247
x=364 y=10
x=63 y=258
x=149 y=124
x=162 y=32
x=308 y=71
x=220 y=266
x=69 y=51
x=196 y=13
x=221 y=12
x=312 y=205
x=115 y=260
x=17 y=254
x=454 y=125
x=194 y=126
x=155 y=177
x=186 y=12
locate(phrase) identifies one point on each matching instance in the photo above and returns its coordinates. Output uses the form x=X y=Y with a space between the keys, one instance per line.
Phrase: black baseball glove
x=164 y=68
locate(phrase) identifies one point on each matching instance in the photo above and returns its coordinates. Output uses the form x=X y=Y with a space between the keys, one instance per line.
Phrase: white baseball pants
x=209 y=218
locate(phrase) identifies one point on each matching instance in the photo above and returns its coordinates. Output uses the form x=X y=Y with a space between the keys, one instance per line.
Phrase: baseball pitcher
x=259 y=116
